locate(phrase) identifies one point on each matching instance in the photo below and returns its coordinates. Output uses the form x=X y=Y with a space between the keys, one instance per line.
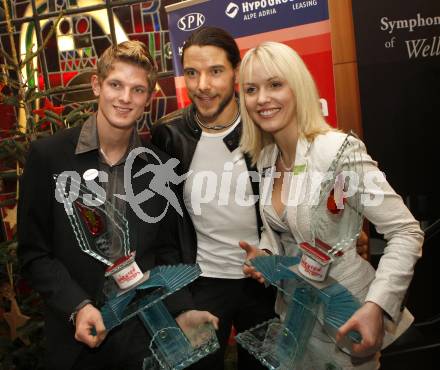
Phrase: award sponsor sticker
x=90 y=174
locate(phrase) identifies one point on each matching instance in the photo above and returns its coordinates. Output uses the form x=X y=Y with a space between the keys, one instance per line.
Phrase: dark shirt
x=88 y=141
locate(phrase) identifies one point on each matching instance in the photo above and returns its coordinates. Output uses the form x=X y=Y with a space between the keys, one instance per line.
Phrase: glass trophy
x=337 y=207
x=312 y=296
x=98 y=226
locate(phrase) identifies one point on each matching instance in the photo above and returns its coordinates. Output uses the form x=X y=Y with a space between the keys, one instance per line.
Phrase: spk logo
x=191 y=21
x=232 y=10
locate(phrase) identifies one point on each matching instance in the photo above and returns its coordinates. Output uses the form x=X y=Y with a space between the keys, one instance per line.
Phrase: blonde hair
x=132 y=51
x=280 y=60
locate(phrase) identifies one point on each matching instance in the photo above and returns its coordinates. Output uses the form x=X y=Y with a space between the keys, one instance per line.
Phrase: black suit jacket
x=48 y=250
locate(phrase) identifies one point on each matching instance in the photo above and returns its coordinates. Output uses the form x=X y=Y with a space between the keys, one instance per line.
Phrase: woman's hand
x=251 y=252
x=368 y=322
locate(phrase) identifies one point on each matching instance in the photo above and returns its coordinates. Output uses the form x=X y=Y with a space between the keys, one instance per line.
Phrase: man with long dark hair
x=205 y=138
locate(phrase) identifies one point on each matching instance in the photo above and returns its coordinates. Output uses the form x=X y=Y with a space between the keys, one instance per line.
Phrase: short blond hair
x=132 y=51
x=282 y=61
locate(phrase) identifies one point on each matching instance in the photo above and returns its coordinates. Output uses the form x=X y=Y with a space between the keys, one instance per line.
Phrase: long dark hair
x=214 y=36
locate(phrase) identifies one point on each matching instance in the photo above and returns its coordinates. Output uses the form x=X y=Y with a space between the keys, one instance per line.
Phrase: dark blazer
x=48 y=250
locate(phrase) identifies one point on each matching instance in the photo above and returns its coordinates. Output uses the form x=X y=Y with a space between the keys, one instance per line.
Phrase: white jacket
x=386 y=286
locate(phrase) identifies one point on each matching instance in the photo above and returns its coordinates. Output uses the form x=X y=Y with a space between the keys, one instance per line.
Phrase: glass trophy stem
x=281 y=345
x=298 y=326
x=169 y=345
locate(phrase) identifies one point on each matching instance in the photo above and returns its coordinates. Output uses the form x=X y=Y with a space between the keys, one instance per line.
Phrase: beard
x=222 y=105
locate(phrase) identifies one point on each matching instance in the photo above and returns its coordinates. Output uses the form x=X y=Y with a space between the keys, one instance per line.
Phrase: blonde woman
x=285 y=133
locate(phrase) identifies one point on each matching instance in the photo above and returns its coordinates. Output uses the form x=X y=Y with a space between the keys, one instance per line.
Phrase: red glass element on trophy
x=332 y=205
x=94 y=222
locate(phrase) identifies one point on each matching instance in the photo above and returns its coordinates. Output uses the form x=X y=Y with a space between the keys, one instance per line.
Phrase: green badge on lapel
x=299 y=168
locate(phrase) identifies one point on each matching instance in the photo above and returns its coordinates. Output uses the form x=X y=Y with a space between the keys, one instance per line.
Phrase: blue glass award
x=98 y=226
x=312 y=296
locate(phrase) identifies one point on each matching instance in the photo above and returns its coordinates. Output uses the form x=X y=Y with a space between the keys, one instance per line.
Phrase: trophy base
x=173 y=350
x=262 y=342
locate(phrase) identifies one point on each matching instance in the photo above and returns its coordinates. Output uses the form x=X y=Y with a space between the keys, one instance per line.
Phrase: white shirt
x=220 y=201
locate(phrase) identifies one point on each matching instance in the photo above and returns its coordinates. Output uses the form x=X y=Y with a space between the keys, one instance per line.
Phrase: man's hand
x=193 y=318
x=90 y=328
x=251 y=252
x=362 y=245
x=368 y=322
x=193 y=323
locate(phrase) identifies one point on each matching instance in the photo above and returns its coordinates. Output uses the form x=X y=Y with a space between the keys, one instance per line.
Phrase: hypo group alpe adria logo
x=232 y=10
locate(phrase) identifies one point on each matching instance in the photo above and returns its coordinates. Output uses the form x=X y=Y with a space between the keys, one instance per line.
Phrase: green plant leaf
x=53 y=115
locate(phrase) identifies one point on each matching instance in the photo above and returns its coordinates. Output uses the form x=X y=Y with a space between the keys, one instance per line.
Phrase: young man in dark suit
x=70 y=281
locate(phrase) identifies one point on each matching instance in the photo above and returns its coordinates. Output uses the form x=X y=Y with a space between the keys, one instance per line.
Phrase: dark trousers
x=243 y=303
x=124 y=348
